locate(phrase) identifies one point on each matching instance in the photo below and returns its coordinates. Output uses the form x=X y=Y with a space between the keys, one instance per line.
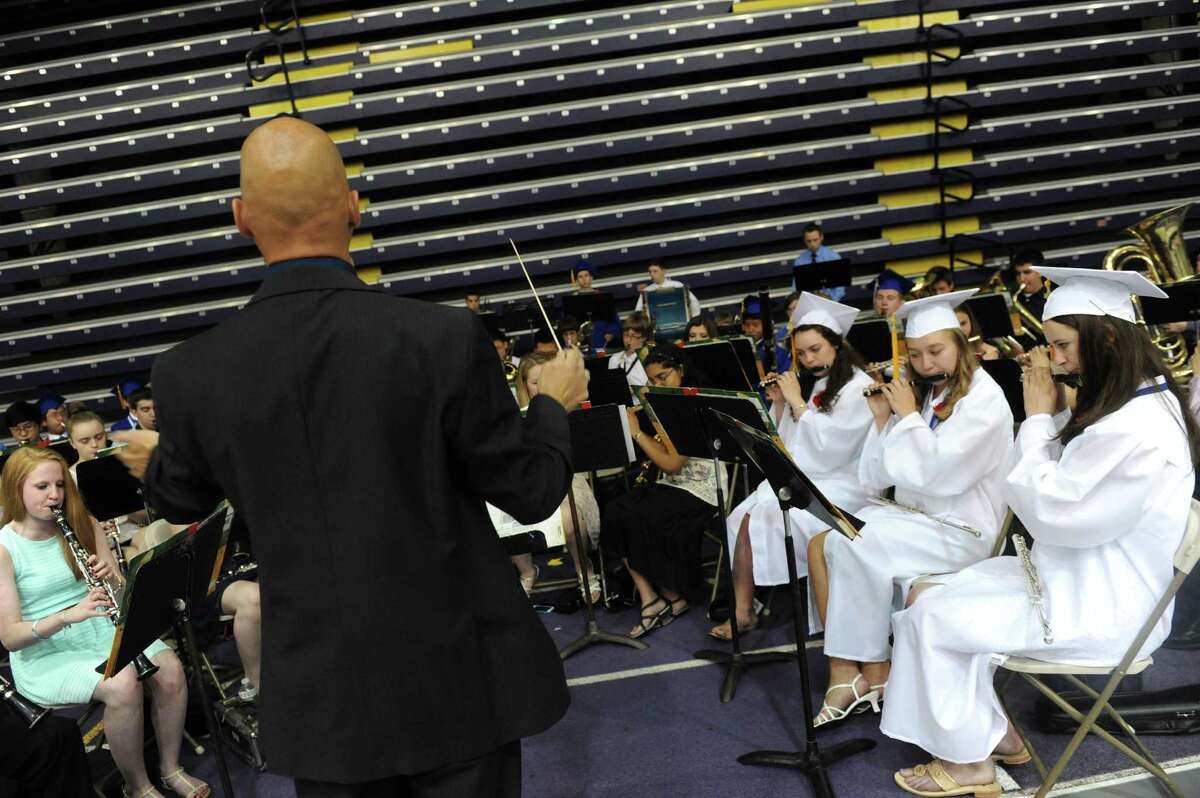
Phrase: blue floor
x=666 y=734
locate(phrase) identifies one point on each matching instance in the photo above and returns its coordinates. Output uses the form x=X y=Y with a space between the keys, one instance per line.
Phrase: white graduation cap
x=1095 y=292
x=816 y=309
x=932 y=313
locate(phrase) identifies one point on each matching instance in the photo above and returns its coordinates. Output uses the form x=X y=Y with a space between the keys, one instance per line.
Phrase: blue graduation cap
x=751 y=307
x=50 y=401
x=125 y=387
x=890 y=280
x=583 y=266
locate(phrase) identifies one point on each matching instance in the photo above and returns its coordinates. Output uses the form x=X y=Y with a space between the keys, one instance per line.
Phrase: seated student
x=473 y=300
x=24 y=423
x=970 y=328
x=938 y=280
x=54 y=416
x=888 y=292
x=656 y=529
x=659 y=280
x=605 y=332
x=588 y=511
x=1103 y=487
x=568 y=331
x=543 y=342
x=141 y=411
x=635 y=332
x=942 y=446
x=699 y=328
x=752 y=326
x=55 y=650
x=824 y=434
x=814 y=252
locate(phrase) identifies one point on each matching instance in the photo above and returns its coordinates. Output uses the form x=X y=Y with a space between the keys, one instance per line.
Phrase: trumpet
x=932 y=379
x=30 y=712
x=145 y=668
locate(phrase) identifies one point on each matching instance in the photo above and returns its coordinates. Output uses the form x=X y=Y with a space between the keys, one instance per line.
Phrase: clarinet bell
x=30 y=712
x=144 y=667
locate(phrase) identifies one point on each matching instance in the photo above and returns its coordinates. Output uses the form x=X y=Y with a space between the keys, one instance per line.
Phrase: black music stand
x=1182 y=303
x=816 y=276
x=590 y=306
x=747 y=356
x=720 y=364
x=190 y=560
x=872 y=339
x=678 y=413
x=991 y=310
x=607 y=386
x=599 y=439
x=794 y=490
x=64 y=448
x=108 y=489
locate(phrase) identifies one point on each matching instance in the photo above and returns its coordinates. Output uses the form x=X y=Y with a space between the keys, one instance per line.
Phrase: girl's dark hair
x=668 y=357
x=842 y=370
x=700 y=321
x=1115 y=358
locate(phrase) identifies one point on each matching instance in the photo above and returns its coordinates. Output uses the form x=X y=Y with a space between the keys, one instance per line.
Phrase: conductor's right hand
x=564 y=379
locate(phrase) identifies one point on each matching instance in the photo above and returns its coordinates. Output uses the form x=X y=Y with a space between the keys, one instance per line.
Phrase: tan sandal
x=198 y=788
x=143 y=794
x=936 y=771
x=1022 y=757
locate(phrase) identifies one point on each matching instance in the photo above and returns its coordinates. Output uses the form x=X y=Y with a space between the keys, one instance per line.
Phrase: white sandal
x=831 y=714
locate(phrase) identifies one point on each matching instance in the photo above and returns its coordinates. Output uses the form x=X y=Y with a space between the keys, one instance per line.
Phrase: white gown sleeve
x=871 y=472
x=828 y=441
x=949 y=462
x=1092 y=495
x=693 y=305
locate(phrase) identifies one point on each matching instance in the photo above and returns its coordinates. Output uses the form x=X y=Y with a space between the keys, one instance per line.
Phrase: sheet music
x=507 y=526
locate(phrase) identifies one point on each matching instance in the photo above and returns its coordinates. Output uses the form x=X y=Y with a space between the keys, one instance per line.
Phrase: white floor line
x=667 y=667
x=1113 y=779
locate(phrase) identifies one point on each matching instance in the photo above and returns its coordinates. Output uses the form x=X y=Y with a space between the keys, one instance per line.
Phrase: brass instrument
x=875 y=390
x=1033 y=584
x=1160 y=246
x=510 y=372
x=145 y=668
x=30 y=712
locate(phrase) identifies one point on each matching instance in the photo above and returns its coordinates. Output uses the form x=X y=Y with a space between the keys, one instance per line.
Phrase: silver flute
x=1033 y=584
x=145 y=668
x=970 y=530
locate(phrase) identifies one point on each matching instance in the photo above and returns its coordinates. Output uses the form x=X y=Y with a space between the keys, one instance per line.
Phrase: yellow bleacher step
x=750 y=6
x=424 y=51
x=361 y=241
x=908 y=21
x=915 y=127
x=332 y=16
x=363 y=204
x=343 y=134
x=328 y=51
x=303 y=104
x=915 y=267
x=354 y=169
x=913 y=163
x=922 y=231
x=917 y=91
x=369 y=274
x=920 y=196
x=309 y=73
x=912 y=57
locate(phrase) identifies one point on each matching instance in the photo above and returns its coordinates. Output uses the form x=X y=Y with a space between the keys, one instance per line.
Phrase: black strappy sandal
x=649 y=622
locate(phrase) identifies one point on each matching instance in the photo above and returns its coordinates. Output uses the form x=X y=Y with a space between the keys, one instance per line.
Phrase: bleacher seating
x=707 y=133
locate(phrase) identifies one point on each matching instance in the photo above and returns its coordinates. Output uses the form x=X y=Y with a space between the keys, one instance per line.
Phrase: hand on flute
x=1041 y=394
x=900 y=398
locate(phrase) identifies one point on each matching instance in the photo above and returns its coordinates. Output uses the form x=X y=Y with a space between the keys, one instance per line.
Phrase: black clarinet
x=145 y=668
x=933 y=379
x=30 y=712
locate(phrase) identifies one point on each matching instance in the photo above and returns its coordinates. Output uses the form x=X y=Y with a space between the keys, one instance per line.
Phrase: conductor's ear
x=239 y=218
x=355 y=211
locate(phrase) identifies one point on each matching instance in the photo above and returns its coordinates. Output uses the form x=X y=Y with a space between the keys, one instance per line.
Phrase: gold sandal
x=949 y=787
x=198 y=788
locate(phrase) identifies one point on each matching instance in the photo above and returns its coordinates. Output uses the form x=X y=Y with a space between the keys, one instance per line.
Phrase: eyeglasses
x=633 y=334
x=26 y=427
x=660 y=376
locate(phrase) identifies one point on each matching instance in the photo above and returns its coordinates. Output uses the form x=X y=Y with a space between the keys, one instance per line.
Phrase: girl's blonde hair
x=527 y=365
x=17 y=469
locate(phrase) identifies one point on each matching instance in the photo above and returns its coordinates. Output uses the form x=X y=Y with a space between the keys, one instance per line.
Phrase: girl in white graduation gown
x=823 y=434
x=943 y=447
x=1104 y=491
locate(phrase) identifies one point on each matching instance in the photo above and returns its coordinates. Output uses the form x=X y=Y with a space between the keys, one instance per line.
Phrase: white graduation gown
x=826 y=447
x=955 y=472
x=1107 y=514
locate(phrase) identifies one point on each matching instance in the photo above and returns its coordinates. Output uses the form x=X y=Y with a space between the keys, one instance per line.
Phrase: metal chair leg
x=1112 y=713
x=1025 y=740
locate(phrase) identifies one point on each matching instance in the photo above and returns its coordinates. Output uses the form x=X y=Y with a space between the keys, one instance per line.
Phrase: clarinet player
x=1104 y=489
x=399 y=656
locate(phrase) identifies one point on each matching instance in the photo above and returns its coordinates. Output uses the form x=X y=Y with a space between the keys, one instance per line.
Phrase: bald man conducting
x=399 y=654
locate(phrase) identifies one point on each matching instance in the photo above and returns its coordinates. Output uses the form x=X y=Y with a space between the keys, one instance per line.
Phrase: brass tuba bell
x=1160 y=246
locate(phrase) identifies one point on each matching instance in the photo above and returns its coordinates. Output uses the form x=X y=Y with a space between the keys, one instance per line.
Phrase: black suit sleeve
x=176 y=486
x=522 y=466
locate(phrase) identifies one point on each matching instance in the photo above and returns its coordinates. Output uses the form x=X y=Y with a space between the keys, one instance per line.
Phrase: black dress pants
x=43 y=761
x=496 y=774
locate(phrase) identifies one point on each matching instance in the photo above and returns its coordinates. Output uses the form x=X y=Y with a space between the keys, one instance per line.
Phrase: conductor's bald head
x=295 y=199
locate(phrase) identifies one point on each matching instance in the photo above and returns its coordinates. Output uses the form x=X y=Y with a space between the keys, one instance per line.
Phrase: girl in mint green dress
x=58 y=630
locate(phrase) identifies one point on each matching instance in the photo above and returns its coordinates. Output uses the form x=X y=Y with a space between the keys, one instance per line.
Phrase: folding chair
x=1030 y=669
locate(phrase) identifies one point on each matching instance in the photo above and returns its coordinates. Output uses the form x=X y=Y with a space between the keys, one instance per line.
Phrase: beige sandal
x=198 y=788
x=1022 y=757
x=148 y=791
x=831 y=714
x=936 y=771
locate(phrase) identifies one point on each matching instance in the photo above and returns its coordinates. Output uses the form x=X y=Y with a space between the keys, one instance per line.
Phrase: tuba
x=1160 y=246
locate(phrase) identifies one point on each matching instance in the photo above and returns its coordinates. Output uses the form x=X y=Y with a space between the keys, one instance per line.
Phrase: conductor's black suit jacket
x=359 y=435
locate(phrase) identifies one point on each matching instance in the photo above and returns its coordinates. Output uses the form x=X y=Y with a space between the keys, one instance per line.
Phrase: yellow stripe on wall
x=424 y=51
x=922 y=231
x=310 y=73
x=915 y=267
x=354 y=169
x=914 y=127
x=913 y=163
x=920 y=196
x=916 y=92
x=303 y=104
x=909 y=21
x=913 y=57
x=750 y=6
x=363 y=204
x=343 y=134
x=314 y=52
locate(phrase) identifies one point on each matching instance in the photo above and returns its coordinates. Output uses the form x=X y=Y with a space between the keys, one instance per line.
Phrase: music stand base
x=594 y=635
x=813 y=762
x=736 y=663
